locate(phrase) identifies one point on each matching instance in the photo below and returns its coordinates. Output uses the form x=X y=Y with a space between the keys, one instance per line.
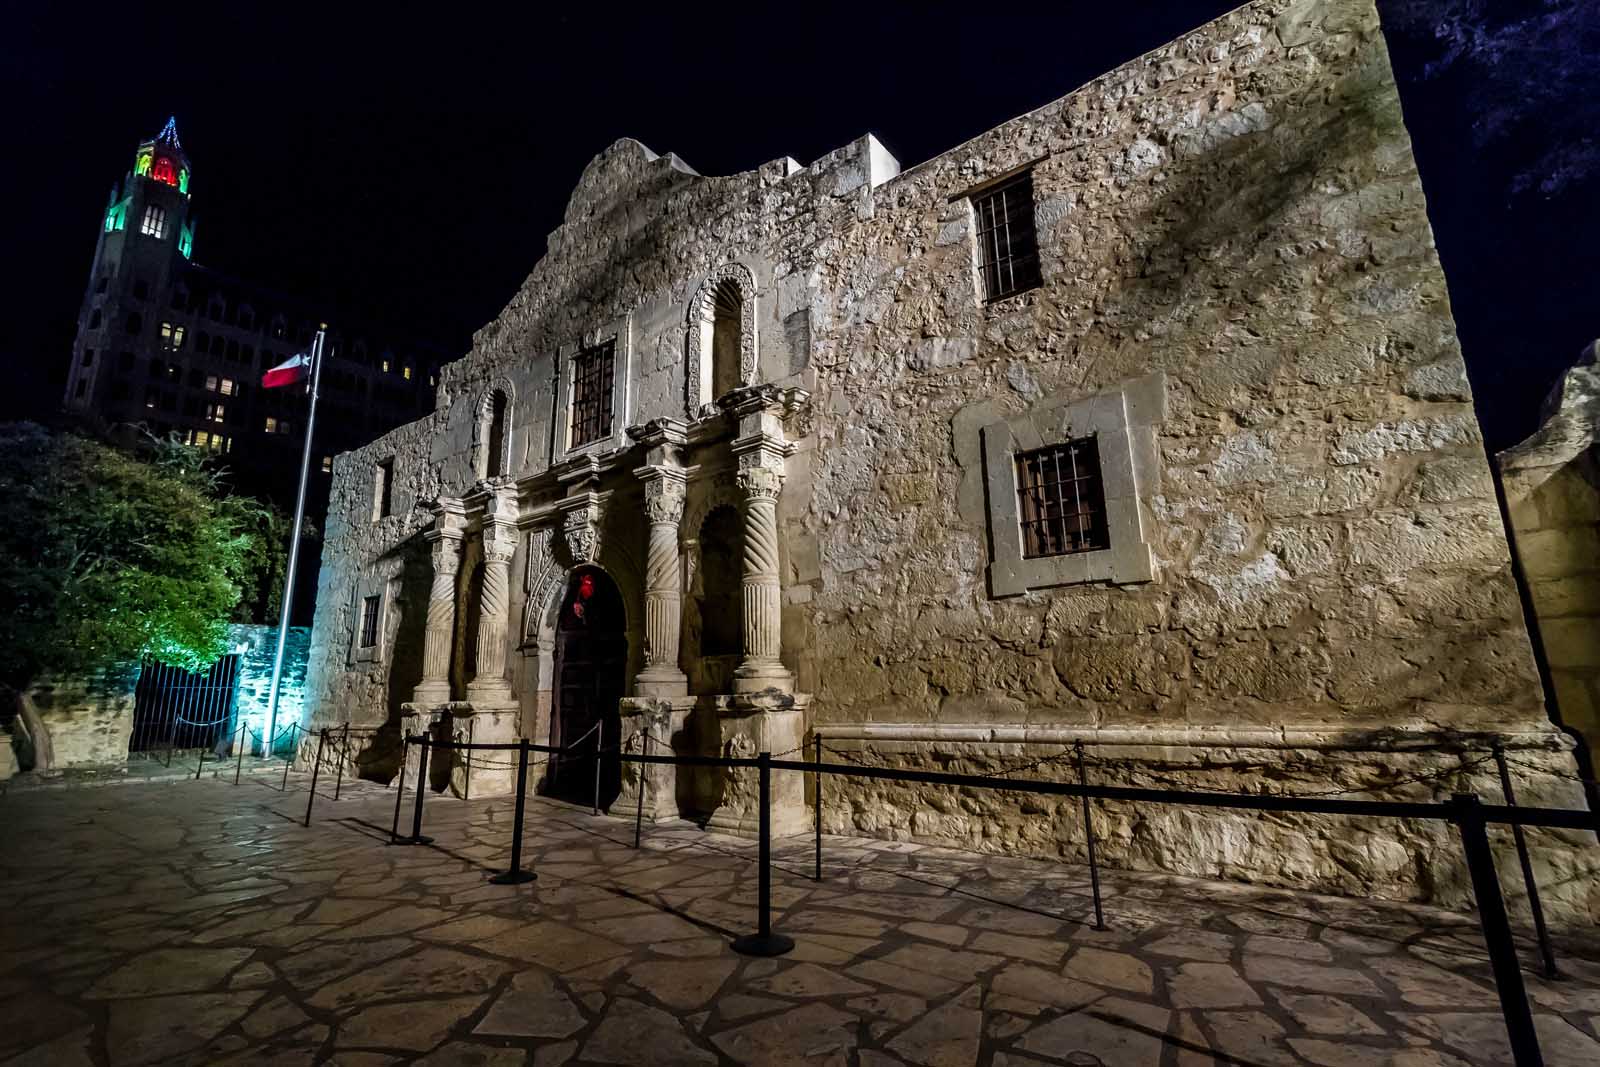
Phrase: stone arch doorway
x=590 y=677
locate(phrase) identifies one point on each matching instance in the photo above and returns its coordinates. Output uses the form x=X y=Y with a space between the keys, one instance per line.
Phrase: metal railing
x=1466 y=811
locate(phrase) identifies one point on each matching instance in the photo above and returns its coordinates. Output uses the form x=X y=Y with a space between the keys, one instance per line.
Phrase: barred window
x=592 y=372
x=1008 y=246
x=369 y=621
x=1061 y=500
x=155 y=221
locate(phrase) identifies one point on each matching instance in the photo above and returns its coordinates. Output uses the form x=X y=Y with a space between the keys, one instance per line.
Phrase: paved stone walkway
x=198 y=922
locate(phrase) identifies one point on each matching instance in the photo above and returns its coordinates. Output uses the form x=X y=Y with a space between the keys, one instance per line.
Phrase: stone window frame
x=482 y=420
x=698 y=370
x=620 y=333
x=1123 y=421
x=384 y=582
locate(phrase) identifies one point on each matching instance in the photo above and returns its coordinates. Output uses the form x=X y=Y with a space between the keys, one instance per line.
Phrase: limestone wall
x=1239 y=213
x=79 y=722
x=1552 y=487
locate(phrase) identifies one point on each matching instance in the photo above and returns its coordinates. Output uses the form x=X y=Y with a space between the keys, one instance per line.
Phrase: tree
x=111 y=554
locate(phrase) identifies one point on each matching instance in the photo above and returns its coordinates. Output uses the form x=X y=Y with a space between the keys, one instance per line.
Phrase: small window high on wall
x=383 y=490
x=1008 y=245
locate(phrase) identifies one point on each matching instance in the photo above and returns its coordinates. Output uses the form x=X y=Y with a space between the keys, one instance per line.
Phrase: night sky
x=408 y=167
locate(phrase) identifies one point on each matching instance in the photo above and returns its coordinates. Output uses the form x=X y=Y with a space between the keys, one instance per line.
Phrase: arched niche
x=491 y=431
x=720 y=350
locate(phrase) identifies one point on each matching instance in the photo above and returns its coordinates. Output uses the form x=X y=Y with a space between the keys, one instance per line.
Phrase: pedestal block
x=662 y=788
x=750 y=723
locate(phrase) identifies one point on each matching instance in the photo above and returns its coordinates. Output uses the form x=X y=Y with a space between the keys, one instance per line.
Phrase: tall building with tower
x=179 y=348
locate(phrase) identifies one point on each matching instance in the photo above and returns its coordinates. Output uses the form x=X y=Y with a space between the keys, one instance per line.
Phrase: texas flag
x=295 y=369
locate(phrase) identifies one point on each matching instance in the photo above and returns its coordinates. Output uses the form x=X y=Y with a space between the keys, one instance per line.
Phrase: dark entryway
x=591 y=667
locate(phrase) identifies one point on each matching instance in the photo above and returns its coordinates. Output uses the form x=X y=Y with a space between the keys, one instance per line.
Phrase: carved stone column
x=490 y=688
x=761 y=667
x=663 y=479
x=446 y=536
x=762 y=449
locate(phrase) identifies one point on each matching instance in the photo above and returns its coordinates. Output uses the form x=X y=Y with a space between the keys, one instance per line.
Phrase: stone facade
x=1552 y=487
x=803 y=495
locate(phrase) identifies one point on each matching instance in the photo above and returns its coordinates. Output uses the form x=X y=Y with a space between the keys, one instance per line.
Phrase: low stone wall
x=1357 y=856
x=81 y=722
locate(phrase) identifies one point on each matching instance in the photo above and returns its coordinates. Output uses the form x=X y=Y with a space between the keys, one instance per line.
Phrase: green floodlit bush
x=110 y=554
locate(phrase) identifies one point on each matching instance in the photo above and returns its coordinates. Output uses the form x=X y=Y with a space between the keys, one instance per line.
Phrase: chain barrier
x=1536 y=769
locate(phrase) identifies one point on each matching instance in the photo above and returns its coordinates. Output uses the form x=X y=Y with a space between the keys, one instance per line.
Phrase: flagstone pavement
x=200 y=923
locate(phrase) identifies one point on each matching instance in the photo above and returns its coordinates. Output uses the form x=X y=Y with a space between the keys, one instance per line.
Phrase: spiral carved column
x=494 y=619
x=663 y=592
x=761 y=667
x=434 y=687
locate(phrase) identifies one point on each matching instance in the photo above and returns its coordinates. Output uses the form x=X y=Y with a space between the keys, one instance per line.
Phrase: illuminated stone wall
x=256 y=646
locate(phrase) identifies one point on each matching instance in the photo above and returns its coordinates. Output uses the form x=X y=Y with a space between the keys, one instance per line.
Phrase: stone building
x=1552 y=485
x=1139 y=420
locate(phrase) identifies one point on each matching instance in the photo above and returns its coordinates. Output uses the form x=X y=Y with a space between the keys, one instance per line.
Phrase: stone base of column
x=490 y=696
x=750 y=723
x=491 y=774
x=757 y=678
x=661 y=683
x=657 y=785
x=431 y=693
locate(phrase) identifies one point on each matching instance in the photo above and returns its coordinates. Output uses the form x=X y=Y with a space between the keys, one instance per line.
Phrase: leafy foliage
x=110 y=554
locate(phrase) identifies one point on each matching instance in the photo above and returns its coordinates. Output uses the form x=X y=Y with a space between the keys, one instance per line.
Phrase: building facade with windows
x=179 y=348
x=1138 y=421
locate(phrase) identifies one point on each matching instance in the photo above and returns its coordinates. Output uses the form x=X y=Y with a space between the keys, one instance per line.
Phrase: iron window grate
x=1008 y=245
x=592 y=373
x=1061 y=500
x=369 y=621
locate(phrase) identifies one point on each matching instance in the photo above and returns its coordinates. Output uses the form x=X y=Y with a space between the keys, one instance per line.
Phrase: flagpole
x=294 y=545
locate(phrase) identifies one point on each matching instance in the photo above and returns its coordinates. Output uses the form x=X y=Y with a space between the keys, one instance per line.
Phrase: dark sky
x=408 y=165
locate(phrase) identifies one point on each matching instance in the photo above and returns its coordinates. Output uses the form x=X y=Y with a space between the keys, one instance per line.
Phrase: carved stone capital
x=760 y=483
x=499 y=543
x=580 y=527
x=664 y=496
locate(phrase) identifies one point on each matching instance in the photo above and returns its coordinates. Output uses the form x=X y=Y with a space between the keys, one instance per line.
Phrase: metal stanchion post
x=311 y=798
x=638 y=818
x=1497 y=931
x=200 y=763
x=1088 y=836
x=170 y=731
x=817 y=740
x=599 y=747
x=344 y=751
x=516 y=875
x=764 y=942
x=288 y=760
x=1546 y=953
x=417 y=837
x=399 y=794
x=239 y=767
